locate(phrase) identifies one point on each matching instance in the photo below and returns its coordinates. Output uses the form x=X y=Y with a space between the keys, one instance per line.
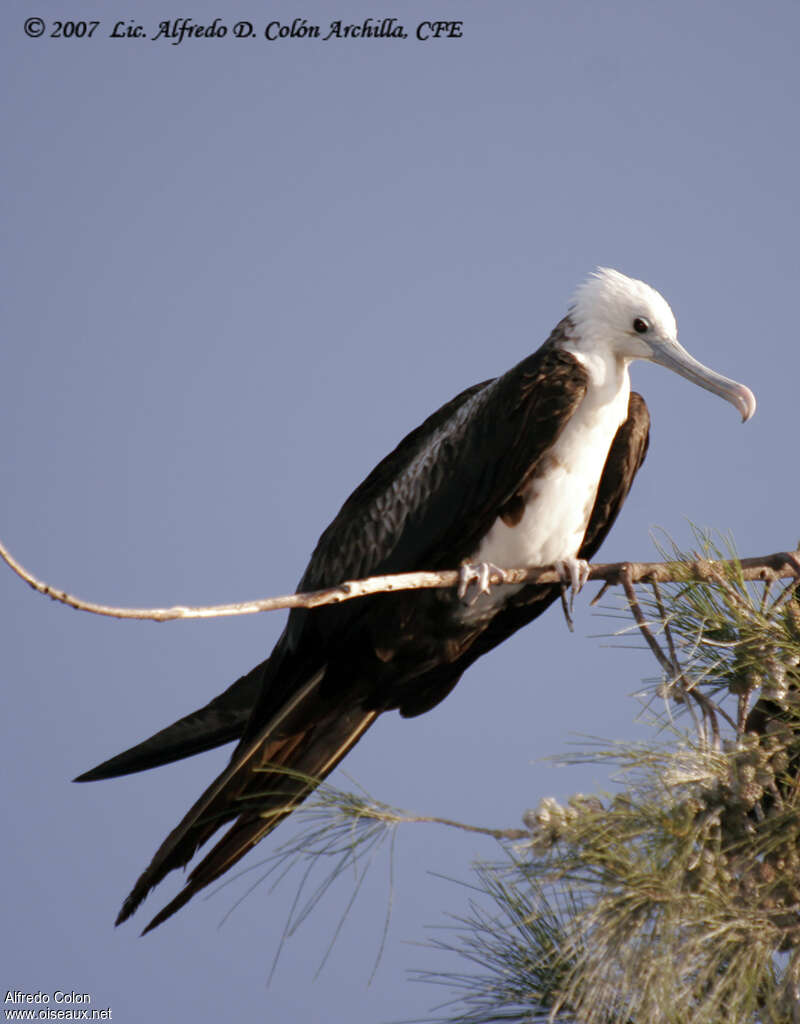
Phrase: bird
x=527 y=469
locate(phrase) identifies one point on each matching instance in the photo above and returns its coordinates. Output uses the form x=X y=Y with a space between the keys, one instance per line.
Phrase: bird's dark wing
x=436 y=495
x=426 y=505
x=625 y=457
x=225 y=717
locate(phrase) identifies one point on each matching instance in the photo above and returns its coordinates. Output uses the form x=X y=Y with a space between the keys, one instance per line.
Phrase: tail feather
x=220 y=721
x=317 y=758
x=303 y=741
x=214 y=807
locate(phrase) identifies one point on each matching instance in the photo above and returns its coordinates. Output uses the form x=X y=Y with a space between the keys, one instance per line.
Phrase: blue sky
x=237 y=272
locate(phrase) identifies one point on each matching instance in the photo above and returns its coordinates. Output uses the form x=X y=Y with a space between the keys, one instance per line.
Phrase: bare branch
x=398 y=817
x=781 y=565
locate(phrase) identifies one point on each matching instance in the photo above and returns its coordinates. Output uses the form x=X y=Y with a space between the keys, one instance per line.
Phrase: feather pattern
x=427 y=505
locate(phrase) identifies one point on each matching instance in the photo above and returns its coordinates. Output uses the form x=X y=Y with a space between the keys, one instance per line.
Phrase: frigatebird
x=528 y=469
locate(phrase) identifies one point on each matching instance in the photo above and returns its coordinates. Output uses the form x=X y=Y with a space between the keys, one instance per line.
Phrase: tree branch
x=781 y=565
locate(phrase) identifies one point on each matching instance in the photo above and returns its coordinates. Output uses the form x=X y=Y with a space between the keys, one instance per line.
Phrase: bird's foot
x=478 y=573
x=573 y=573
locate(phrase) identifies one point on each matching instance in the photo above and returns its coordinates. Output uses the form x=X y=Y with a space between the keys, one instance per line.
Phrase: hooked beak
x=674 y=356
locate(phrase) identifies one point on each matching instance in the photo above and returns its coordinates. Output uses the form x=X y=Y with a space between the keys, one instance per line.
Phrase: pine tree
x=677 y=899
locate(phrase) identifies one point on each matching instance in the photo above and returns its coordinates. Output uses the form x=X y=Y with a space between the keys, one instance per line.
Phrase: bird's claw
x=573 y=573
x=480 y=574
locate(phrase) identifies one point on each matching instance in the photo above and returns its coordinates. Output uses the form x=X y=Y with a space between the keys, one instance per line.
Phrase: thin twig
x=709 y=707
x=789 y=591
x=765 y=597
x=673 y=671
x=780 y=565
x=495 y=833
x=644 y=627
x=686 y=689
x=668 y=634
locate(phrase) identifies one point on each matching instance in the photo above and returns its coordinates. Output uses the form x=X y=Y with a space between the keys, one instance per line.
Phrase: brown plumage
x=334 y=670
x=533 y=465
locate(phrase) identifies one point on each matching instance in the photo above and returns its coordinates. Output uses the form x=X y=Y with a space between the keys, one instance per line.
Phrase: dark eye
x=640 y=325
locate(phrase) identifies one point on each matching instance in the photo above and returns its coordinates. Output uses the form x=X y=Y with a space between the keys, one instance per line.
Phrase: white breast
x=561 y=495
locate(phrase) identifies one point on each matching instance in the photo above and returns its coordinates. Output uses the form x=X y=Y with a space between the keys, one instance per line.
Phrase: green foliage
x=517 y=947
x=678 y=898
x=675 y=899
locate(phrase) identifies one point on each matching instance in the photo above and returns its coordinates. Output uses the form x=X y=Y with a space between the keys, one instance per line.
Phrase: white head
x=634 y=321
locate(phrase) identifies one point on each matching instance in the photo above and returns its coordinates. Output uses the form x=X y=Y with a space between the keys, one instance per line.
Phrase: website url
x=47 y=1014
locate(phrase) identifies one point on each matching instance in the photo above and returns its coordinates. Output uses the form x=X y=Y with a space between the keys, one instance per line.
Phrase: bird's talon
x=566 y=605
x=467 y=574
x=480 y=574
x=573 y=572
